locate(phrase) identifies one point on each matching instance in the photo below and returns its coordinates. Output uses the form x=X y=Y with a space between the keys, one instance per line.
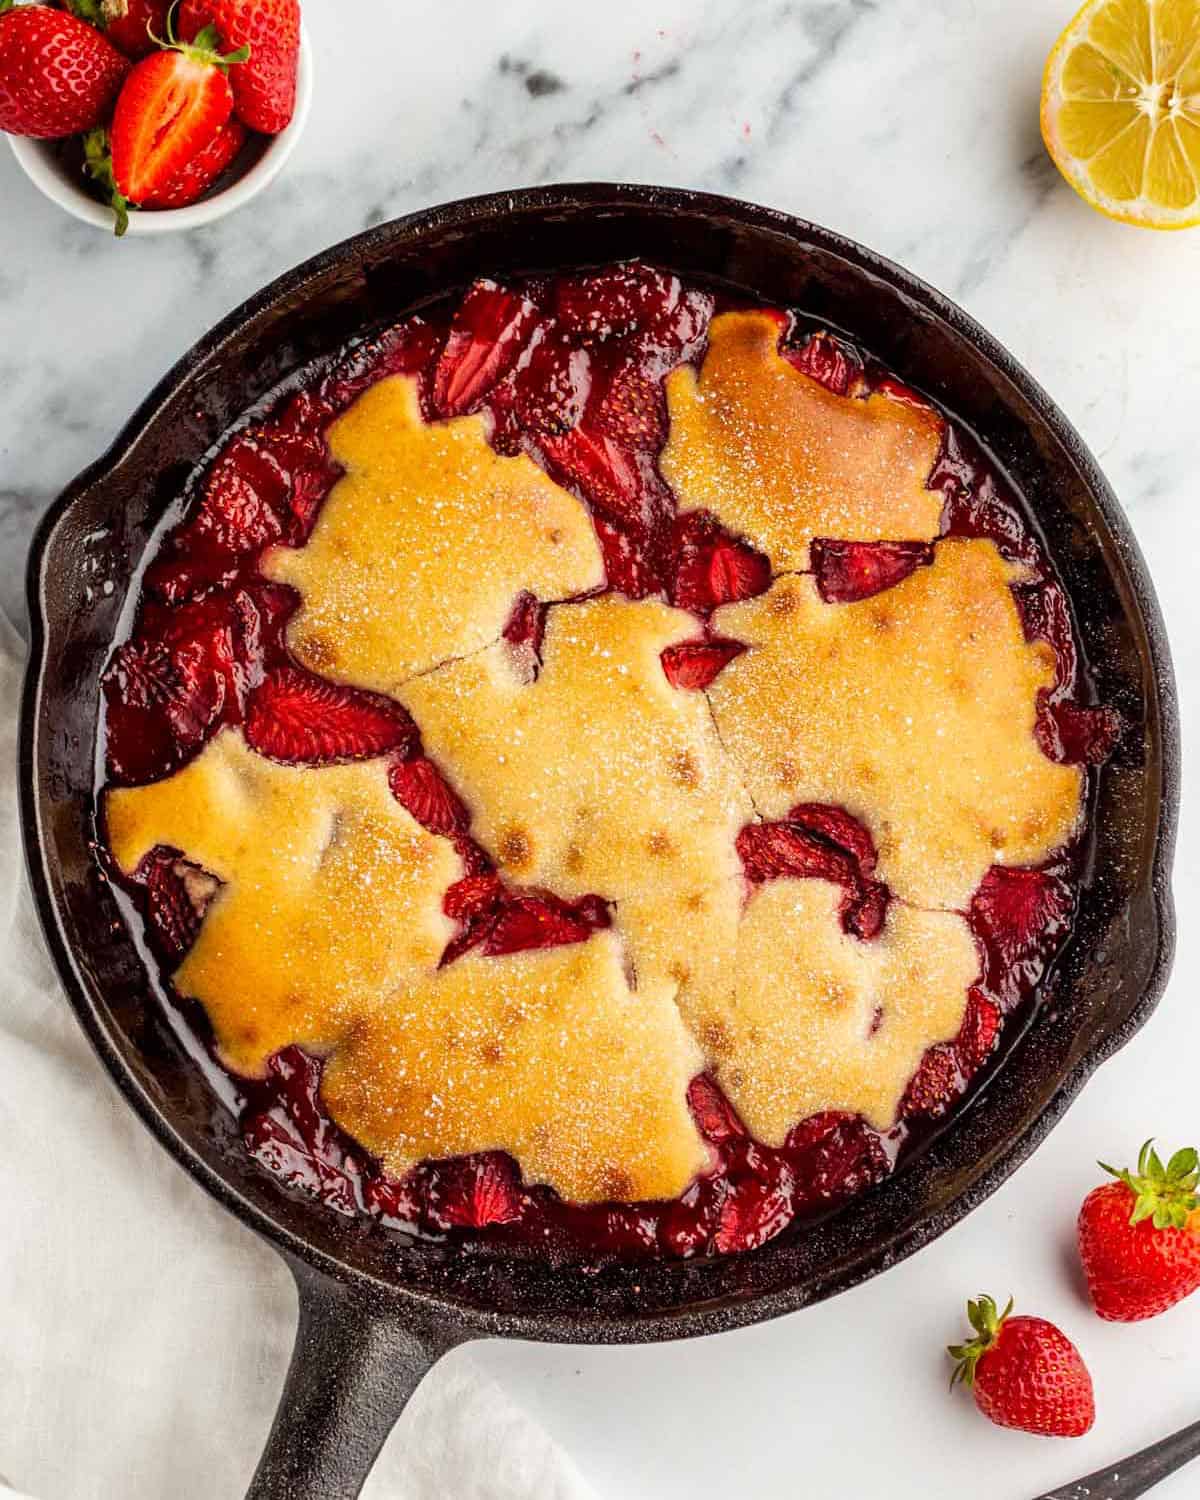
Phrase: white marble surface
x=911 y=125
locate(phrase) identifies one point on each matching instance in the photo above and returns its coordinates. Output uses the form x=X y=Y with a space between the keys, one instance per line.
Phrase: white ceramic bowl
x=43 y=168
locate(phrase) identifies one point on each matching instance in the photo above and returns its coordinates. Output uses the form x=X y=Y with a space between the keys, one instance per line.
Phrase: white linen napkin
x=145 y=1333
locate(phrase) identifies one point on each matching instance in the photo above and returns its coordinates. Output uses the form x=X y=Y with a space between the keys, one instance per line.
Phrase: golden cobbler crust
x=781 y=459
x=420 y=550
x=913 y=710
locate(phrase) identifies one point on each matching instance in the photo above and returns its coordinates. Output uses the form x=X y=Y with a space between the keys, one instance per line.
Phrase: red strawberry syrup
x=569 y=370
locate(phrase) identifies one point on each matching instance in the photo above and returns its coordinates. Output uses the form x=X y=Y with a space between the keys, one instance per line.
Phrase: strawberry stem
x=90 y=11
x=1165 y=1194
x=987 y=1322
x=203 y=48
x=97 y=162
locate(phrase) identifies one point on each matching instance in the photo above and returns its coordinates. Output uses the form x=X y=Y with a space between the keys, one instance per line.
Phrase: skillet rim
x=695 y=1319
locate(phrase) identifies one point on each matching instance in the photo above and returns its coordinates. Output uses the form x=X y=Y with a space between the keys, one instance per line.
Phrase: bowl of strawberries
x=149 y=116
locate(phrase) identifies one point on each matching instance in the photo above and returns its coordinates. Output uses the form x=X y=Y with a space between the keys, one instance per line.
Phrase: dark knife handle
x=1136 y=1474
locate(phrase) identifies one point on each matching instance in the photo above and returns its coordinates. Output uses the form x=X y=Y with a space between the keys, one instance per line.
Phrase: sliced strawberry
x=694 y=664
x=296 y=717
x=473 y=896
x=979 y=1032
x=263 y=610
x=1020 y=916
x=755 y=1209
x=169 y=109
x=177 y=895
x=714 y=1115
x=834 y=1156
x=626 y=568
x=472 y=1192
x=712 y=567
x=202 y=171
x=1076 y=734
x=630 y=408
x=243 y=497
x=769 y=851
x=606 y=474
x=634 y=299
x=827 y=359
x=865 y=915
x=396 y=1200
x=687 y=1225
x=489 y=332
x=168 y=689
x=406 y=348
x=540 y=922
x=419 y=786
x=848 y=571
x=1046 y=616
x=294 y=1139
x=526 y=625
x=551 y=384
x=839 y=827
x=523 y=631
x=935 y=1085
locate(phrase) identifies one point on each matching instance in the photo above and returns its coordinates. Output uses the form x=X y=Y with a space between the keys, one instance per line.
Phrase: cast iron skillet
x=375 y=1314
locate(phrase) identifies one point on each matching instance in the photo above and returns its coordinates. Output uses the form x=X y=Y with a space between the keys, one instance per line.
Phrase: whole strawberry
x=58 y=76
x=1139 y=1237
x=264 y=89
x=1025 y=1373
x=134 y=27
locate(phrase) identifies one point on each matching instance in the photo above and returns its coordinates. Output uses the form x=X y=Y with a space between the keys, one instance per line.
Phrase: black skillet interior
x=1102 y=989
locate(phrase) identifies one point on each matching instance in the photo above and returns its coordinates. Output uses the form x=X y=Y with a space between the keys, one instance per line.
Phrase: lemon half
x=1121 y=109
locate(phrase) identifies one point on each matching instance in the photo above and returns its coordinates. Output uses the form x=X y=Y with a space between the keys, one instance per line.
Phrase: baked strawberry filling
x=706 y=685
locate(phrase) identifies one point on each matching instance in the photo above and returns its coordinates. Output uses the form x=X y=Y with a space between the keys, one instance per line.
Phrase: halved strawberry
x=490 y=329
x=835 y=1156
x=202 y=171
x=540 y=922
x=169 y=109
x=711 y=567
x=1020 y=915
x=694 y=664
x=296 y=717
x=419 y=786
x=1076 y=734
x=848 y=571
x=630 y=408
x=714 y=1115
x=935 y=1085
x=472 y=1192
x=551 y=383
x=755 y=1208
x=825 y=358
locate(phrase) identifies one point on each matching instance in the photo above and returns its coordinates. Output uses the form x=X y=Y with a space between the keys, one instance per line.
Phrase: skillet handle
x=353 y=1371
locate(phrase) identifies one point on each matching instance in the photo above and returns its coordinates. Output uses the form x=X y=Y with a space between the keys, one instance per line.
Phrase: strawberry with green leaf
x=1139 y=1237
x=173 y=106
x=1024 y=1373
